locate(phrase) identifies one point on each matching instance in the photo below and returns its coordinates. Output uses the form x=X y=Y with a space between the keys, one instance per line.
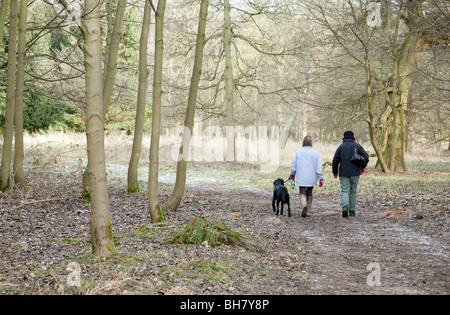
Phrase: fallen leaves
x=45 y=227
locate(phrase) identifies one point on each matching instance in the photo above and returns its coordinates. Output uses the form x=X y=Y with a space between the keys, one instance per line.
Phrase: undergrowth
x=199 y=230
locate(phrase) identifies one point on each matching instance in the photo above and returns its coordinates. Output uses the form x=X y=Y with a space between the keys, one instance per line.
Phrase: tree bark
x=288 y=125
x=112 y=48
x=407 y=60
x=180 y=184
x=153 y=203
x=10 y=96
x=371 y=112
x=133 y=183
x=3 y=14
x=19 y=175
x=100 y=221
x=228 y=76
x=113 y=51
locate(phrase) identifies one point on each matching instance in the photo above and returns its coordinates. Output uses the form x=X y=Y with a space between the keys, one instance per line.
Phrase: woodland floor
x=45 y=227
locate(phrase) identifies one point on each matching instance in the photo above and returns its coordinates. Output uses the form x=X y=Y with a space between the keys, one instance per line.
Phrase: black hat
x=349 y=135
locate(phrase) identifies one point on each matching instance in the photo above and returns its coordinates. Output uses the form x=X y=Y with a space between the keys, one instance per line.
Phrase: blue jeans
x=349 y=186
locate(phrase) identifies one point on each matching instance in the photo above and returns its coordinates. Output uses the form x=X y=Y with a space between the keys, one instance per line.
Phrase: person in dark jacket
x=348 y=172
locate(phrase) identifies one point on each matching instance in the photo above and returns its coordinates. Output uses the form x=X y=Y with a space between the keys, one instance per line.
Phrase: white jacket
x=307 y=167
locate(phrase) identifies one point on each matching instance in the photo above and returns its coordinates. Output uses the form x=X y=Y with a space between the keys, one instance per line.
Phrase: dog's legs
x=289 y=209
x=273 y=204
x=278 y=207
x=282 y=205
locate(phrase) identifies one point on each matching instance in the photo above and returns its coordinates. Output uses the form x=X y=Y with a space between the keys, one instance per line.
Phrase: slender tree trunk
x=100 y=221
x=371 y=109
x=109 y=28
x=180 y=184
x=133 y=184
x=3 y=14
x=373 y=137
x=10 y=96
x=19 y=175
x=153 y=203
x=228 y=75
x=288 y=125
x=113 y=51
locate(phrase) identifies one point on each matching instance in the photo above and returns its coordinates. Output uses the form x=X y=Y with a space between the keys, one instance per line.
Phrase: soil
x=385 y=249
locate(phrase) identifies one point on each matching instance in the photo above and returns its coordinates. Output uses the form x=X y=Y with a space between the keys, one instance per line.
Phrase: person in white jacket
x=308 y=168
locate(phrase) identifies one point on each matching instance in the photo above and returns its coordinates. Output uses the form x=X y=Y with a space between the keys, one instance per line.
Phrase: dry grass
x=396 y=212
x=48 y=148
x=45 y=150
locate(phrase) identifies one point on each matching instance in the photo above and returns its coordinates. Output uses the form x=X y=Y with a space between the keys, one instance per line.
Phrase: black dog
x=280 y=194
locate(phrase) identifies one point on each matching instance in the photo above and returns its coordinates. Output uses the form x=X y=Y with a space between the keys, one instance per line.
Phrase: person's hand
x=292 y=176
x=335 y=175
x=321 y=183
x=363 y=170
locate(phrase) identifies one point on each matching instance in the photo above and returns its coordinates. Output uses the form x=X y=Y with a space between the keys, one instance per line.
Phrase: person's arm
x=364 y=154
x=293 y=167
x=336 y=160
x=319 y=169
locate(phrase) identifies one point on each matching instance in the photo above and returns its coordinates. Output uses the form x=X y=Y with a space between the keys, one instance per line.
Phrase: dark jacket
x=342 y=158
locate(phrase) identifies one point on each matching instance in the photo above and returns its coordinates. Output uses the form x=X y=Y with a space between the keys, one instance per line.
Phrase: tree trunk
x=100 y=222
x=10 y=96
x=113 y=51
x=228 y=75
x=406 y=63
x=153 y=203
x=3 y=14
x=133 y=183
x=399 y=102
x=288 y=125
x=19 y=175
x=180 y=184
x=371 y=109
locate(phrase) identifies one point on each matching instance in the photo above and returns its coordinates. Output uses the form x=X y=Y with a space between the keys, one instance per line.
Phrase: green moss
x=199 y=230
x=147 y=231
x=5 y=188
x=111 y=247
x=86 y=196
x=160 y=214
x=134 y=189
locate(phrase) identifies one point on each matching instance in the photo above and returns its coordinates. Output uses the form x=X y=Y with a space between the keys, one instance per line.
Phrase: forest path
x=369 y=253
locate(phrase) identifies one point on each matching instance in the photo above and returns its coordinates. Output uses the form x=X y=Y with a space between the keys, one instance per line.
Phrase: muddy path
x=369 y=254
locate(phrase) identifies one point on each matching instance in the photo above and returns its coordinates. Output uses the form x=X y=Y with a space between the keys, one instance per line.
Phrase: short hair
x=307 y=141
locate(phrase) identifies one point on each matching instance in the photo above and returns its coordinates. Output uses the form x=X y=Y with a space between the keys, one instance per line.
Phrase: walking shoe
x=345 y=211
x=352 y=213
x=309 y=200
x=305 y=210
